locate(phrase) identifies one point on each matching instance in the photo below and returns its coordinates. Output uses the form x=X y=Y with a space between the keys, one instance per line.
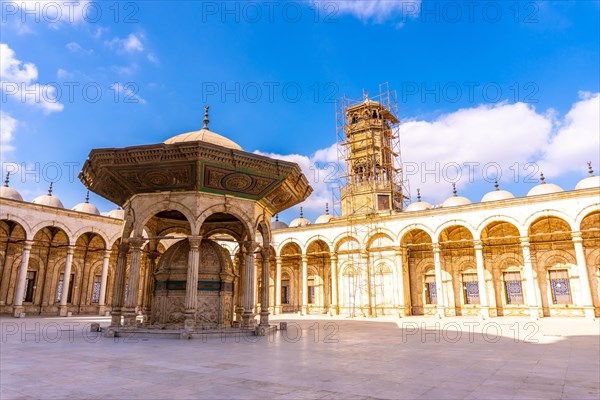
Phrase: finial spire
x=326 y=208
x=206 y=120
x=301 y=216
x=7 y=179
x=496 y=185
x=87 y=197
x=454 y=189
x=276 y=217
x=419 y=195
x=542 y=178
x=50 y=189
x=589 y=163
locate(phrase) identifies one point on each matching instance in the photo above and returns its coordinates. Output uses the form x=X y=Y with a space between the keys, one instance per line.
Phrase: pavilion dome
x=204 y=135
x=48 y=199
x=544 y=188
x=591 y=182
x=497 y=194
x=86 y=207
x=117 y=213
x=277 y=224
x=7 y=192
x=301 y=221
x=325 y=218
x=455 y=200
x=418 y=205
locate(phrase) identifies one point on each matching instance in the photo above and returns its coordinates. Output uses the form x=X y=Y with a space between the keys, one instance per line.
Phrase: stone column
x=20 y=292
x=365 y=259
x=264 y=304
x=103 y=279
x=241 y=262
x=441 y=302
x=483 y=301
x=304 y=284
x=399 y=278
x=584 y=281
x=528 y=271
x=277 y=285
x=63 y=308
x=133 y=283
x=248 y=321
x=191 y=285
x=119 y=287
x=334 y=283
x=149 y=290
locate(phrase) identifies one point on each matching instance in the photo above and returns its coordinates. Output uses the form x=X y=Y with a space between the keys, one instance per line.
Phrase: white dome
x=544 y=188
x=48 y=200
x=10 y=193
x=418 y=206
x=204 y=135
x=497 y=195
x=590 y=182
x=456 y=201
x=278 y=225
x=298 y=222
x=323 y=219
x=86 y=208
x=116 y=213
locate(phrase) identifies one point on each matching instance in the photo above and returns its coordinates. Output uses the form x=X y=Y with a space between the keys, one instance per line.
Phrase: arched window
x=513 y=287
x=285 y=289
x=470 y=287
x=560 y=286
x=430 y=288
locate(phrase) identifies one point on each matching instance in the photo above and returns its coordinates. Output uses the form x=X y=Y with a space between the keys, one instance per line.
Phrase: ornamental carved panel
x=230 y=181
x=159 y=177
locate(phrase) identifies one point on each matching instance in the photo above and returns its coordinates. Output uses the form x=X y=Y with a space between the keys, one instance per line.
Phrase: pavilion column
x=439 y=289
x=304 y=284
x=149 y=289
x=119 y=286
x=584 y=281
x=483 y=300
x=264 y=303
x=20 y=292
x=191 y=285
x=63 y=308
x=239 y=309
x=528 y=272
x=133 y=283
x=248 y=321
x=334 y=283
x=399 y=279
x=364 y=255
x=103 y=280
x=277 y=285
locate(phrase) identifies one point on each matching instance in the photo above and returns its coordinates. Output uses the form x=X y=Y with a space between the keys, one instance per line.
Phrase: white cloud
x=379 y=10
x=131 y=44
x=63 y=74
x=321 y=171
x=577 y=139
x=130 y=70
x=153 y=58
x=75 y=47
x=126 y=94
x=8 y=126
x=18 y=82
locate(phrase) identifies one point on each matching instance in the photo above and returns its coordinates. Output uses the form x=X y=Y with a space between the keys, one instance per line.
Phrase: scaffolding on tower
x=370 y=184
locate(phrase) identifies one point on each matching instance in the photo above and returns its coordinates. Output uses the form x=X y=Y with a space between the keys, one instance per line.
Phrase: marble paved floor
x=325 y=358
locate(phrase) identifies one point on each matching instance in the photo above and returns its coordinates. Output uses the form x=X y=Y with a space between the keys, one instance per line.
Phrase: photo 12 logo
x=53 y=12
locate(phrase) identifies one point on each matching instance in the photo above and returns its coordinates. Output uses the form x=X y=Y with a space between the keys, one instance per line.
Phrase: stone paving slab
x=316 y=358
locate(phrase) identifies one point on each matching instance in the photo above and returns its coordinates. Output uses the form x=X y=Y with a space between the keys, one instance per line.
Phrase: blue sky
x=495 y=83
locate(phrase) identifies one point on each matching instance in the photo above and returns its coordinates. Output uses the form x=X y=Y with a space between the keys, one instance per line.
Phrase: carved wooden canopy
x=118 y=174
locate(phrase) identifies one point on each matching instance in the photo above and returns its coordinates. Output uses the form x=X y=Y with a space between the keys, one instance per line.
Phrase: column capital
x=153 y=255
x=265 y=252
x=333 y=256
x=399 y=250
x=70 y=249
x=124 y=247
x=136 y=243
x=249 y=245
x=278 y=259
x=436 y=247
x=576 y=237
x=304 y=258
x=524 y=241
x=478 y=244
x=107 y=253
x=194 y=242
x=27 y=245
